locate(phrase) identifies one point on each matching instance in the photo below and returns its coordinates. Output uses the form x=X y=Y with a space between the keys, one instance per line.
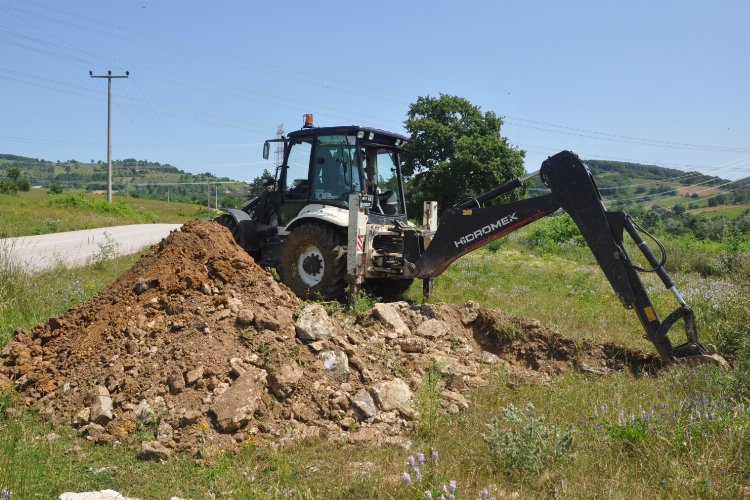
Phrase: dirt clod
x=202 y=347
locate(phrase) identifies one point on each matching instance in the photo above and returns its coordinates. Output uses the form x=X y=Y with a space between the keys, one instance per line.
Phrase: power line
x=592 y=134
x=294 y=74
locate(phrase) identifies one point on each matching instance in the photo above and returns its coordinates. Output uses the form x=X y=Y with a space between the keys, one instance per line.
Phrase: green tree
x=13 y=173
x=455 y=151
x=259 y=184
x=15 y=183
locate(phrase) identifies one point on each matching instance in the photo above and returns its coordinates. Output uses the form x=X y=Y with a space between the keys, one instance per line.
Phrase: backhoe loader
x=334 y=220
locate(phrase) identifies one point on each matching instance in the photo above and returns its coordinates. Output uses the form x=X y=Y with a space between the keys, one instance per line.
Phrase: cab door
x=295 y=179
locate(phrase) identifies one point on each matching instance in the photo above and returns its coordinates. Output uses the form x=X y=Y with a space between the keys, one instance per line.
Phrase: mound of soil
x=203 y=347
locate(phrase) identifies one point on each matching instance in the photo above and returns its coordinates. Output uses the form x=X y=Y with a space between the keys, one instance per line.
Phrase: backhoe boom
x=472 y=225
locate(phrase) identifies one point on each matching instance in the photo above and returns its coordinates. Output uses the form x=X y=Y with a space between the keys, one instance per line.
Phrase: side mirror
x=266 y=150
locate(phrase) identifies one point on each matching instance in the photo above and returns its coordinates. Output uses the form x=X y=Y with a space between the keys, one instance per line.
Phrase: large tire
x=228 y=222
x=387 y=289
x=313 y=262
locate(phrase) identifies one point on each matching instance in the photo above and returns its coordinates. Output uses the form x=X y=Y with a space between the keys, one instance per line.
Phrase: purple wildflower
x=417 y=475
x=452 y=486
x=435 y=456
x=428 y=495
x=410 y=461
x=406 y=478
x=420 y=458
x=484 y=494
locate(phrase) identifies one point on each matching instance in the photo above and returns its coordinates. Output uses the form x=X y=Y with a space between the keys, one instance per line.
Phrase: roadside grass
x=683 y=433
x=37 y=212
x=27 y=299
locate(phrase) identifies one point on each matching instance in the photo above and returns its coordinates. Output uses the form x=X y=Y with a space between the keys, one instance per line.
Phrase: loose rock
x=233 y=409
x=101 y=409
x=154 y=450
x=389 y=317
x=314 y=323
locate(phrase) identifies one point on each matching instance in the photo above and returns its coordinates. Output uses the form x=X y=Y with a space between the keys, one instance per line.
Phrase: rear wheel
x=313 y=262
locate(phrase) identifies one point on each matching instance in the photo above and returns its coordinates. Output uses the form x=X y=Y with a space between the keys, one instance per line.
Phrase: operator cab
x=325 y=165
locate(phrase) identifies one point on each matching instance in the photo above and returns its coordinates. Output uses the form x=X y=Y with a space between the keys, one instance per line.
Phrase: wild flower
x=5 y=494
x=421 y=478
x=702 y=401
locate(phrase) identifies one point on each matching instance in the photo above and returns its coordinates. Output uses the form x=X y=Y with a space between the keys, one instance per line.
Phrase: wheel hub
x=311 y=266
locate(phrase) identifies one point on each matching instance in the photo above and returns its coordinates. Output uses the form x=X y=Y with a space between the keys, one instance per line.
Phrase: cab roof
x=379 y=136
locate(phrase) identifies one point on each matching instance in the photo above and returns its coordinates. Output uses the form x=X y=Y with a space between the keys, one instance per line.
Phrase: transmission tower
x=279 y=153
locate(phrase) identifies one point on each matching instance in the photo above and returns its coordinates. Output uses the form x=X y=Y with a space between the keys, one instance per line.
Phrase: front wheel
x=313 y=262
x=228 y=222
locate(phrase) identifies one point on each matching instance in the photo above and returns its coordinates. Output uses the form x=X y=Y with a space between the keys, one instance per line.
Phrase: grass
x=37 y=212
x=27 y=299
x=565 y=294
x=726 y=210
x=684 y=433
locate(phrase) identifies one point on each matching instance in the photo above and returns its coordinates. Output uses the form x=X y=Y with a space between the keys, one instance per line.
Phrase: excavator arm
x=471 y=225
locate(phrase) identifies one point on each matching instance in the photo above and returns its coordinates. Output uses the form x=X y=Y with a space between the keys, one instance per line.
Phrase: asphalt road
x=77 y=248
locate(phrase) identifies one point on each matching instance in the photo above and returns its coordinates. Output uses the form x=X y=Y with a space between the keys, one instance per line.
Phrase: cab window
x=335 y=170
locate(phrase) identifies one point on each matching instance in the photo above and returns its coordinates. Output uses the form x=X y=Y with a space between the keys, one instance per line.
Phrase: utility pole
x=109 y=77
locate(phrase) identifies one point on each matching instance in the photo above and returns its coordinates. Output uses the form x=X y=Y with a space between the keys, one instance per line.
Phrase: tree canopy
x=455 y=151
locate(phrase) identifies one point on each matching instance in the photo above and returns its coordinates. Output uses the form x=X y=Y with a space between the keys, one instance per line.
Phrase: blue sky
x=661 y=82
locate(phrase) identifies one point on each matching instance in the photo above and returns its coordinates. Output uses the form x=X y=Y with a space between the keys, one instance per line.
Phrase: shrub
x=23 y=185
x=523 y=443
x=554 y=231
x=55 y=189
x=8 y=187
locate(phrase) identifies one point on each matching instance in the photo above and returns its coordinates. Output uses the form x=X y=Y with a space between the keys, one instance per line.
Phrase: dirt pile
x=201 y=346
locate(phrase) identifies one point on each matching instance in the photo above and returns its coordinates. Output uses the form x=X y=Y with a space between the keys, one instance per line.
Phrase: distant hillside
x=138 y=178
x=620 y=183
x=633 y=183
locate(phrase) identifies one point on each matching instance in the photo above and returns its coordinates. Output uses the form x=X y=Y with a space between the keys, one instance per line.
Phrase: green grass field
x=684 y=433
x=727 y=211
x=37 y=212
